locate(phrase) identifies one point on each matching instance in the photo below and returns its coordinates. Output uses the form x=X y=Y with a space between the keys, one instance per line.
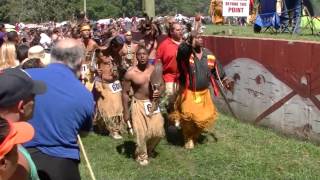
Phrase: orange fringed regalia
x=197 y=112
x=216 y=11
x=194 y=109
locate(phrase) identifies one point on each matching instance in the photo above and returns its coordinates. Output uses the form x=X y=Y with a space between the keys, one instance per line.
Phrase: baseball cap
x=16 y=85
x=19 y=133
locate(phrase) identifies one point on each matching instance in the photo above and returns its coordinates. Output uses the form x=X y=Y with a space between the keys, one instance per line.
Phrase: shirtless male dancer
x=147 y=126
x=129 y=51
x=90 y=47
x=107 y=94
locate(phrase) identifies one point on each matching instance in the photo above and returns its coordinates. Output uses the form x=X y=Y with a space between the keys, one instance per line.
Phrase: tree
x=58 y=10
x=36 y=10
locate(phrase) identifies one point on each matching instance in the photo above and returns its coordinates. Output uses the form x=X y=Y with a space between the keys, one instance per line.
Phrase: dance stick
x=86 y=158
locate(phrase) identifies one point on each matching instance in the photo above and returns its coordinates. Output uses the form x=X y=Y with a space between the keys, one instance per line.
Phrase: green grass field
x=247 y=31
x=241 y=152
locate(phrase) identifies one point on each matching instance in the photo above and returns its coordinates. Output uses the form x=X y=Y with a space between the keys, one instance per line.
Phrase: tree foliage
x=36 y=10
x=59 y=10
x=185 y=7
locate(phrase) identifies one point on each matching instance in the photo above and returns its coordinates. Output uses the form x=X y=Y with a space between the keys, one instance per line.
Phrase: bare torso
x=140 y=81
x=90 y=47
x=129 y=56
x=129 y=49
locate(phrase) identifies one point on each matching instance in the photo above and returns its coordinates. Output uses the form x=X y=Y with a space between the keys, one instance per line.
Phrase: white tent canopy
x=9 y=26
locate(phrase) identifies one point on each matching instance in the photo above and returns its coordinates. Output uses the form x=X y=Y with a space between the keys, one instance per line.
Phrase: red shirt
x=167 y=54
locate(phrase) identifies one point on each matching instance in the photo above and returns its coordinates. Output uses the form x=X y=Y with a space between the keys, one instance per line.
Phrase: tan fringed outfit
x=87 y=76
x=109 y=106
x=148 y=128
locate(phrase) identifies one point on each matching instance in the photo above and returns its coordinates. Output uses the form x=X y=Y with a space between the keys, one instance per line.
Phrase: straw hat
x=38 y=52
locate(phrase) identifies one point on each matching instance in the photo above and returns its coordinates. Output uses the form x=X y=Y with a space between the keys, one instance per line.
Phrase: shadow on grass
x=100 y=131
x=127 y=148
x=174 y=136
x=207 y=137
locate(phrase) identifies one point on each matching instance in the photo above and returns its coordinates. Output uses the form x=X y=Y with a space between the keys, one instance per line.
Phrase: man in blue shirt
x=66 y=109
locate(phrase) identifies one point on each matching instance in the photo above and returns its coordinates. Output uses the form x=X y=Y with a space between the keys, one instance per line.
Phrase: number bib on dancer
x=84 y=69
x=115 y=87
x=147 y=108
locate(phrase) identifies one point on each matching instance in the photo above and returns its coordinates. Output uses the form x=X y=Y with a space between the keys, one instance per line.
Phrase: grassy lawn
x=247 y=31
x=241 y=152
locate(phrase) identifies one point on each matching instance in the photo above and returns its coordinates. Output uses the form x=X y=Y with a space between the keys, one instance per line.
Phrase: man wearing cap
x=61 y=113
x=17 y=92
x=11 y=135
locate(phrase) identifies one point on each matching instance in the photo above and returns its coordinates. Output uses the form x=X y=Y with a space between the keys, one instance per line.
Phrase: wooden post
x=148 y=7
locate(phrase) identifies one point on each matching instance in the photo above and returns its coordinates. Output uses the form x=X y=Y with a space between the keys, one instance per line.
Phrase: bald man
x=59 y=115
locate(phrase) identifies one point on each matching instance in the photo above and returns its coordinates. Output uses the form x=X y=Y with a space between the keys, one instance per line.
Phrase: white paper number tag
x=115 y=87
x=147 y=108
x=84 y=69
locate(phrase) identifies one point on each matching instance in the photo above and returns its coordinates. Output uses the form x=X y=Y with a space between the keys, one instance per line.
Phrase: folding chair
x=312 y=10
x=268 y=17
x=291 y=12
